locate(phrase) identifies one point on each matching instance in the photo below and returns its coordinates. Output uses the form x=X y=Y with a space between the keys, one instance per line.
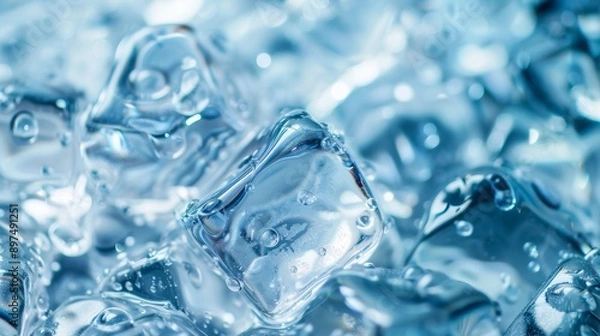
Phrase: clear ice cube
x=115 y=315
x=39 y=147
x=408 y=301
x=297 y=210
x=566 y=304
x=501 y=235
x=22 y=283
x=180 y=276
x=168 y=113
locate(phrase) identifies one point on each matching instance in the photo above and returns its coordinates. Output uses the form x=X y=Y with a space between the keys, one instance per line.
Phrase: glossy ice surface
x=446 y=181
x=170 y=110
x=38 y=144
x=115 y=315
x=297 y=210
x=566 y=304
x=500 y=235
x=177 y=276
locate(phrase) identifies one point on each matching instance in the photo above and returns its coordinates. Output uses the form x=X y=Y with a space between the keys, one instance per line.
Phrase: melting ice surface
x=423 y=91
x=501 y=235
x=168 y=111
x=114 y=315
x=297 y=210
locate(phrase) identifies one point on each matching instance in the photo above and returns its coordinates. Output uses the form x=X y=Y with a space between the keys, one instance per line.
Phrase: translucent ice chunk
x=414 y=136
x=177 y=276
x=499 y=234
x=115 y=315
x=568 y=303
x=23 y=276
x=167 y=114
x=410 y=301
x=413 y=301
x=38 y=144
x=297 y=210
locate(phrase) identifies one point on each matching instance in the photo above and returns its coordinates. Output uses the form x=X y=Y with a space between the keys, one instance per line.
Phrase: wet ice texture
x=168 y=112
x=178 y=277
x=413 y=301
x=115 y=315
x=31 y=292
x=501 y=235
x=566 y=304
x=37 y=145
x=297 y=210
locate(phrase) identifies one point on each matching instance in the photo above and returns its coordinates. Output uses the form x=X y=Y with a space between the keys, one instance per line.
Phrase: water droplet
x=269 y=238
x=128 y=286
x=568 y=298
x=364 y=220
x=112 y=320
x=294 y=269
x=531 y=250
x=192 y=96
x=129 y=241
x=463 y=228
x=119 y=248
x=211 y=206
x=153 y=289
x=327 y=144
x=117 y=286
x=148 y=84
x=306 y=197
x=533 y=266
x=504 y=195
x=371 y=204
x=24 y=127
x=322 y=251
x=233 y=284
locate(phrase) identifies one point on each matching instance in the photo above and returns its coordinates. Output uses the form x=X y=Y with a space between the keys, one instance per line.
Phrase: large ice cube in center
x=297 y=210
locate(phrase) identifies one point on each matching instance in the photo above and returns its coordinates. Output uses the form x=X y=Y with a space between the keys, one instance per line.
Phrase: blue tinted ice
x=501 y=235
x=170 y=111
x=178 y=277
x=414 y=301
x=115 y=315
x=22 y=285
x=296 y=211
x=414 y=136
x=566 y=304
x=38 y=144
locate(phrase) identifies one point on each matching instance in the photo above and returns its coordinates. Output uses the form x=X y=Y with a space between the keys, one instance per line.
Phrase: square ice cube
x=297 y=210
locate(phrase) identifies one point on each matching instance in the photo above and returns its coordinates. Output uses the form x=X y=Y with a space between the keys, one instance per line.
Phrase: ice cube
x=566 y=304
x=177 y=274
x=297 y=210
x=23 y=276
x=414 y=301
x=115 y=315
x=501 y=235
x=414 y=136
x=409 y=301
x=168 y=113
x=39 y=148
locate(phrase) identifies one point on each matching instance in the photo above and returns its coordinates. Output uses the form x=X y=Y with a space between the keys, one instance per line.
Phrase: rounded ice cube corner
x=296 y=211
